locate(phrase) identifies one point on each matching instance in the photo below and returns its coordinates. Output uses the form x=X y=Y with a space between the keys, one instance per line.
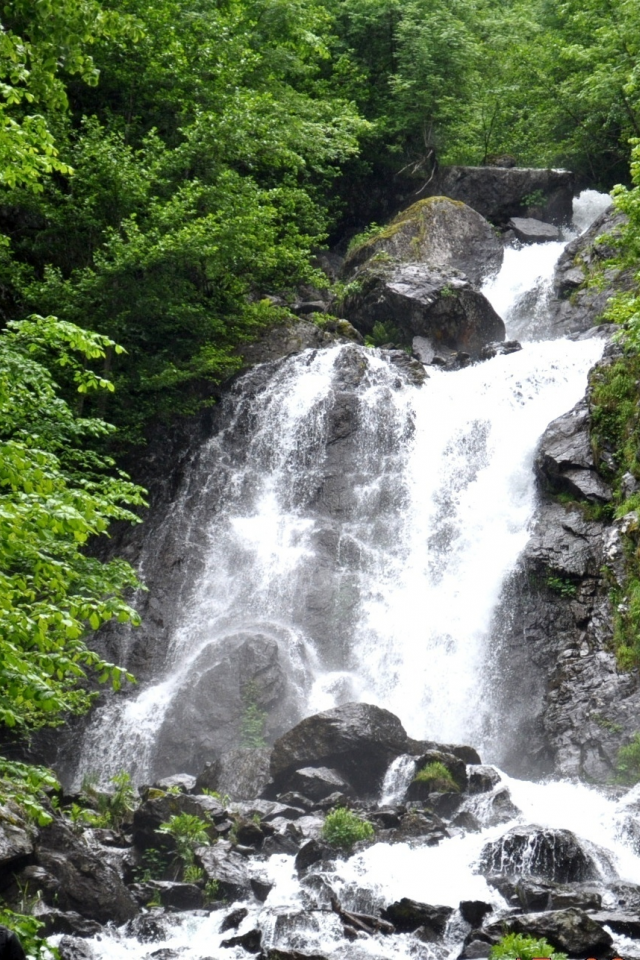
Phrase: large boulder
x=530 y=230
x=565 y=462
x=570 y=930
x=240 y=774
x=421 y=302
x=445 y=235
x=158 y=808
x=226 y=680
x=358 y=740
x=227 y=868
x=408 y=915
x=536 y=852
x=499 y=193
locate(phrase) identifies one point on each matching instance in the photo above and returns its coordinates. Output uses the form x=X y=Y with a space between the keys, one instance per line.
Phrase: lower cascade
x=341 y=548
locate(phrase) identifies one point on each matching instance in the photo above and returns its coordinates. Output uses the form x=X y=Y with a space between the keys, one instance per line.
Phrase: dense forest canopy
x=167 y=171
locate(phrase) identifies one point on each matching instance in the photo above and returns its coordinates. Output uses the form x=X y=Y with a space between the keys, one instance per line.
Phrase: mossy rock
x=445 y=234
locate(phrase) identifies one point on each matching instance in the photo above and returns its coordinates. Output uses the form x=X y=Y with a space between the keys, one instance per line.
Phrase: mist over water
x=432 y=519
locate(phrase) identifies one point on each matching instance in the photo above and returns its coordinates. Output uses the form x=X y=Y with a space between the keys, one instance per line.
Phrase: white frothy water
x=431 y=528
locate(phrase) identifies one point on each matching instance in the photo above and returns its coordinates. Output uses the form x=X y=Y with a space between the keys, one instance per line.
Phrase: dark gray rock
x=240 y=774
x=536 y=852
x=407 y=915
x=476 y=950
x=494 y=808
x=474 y=911
x=16 y=839
x=457 y=769
x=446 y=310
x=275 y=953
x=291 y=338
x=357 y=739
x=500 y=193
x=491 y=350
x=318 y=783
x=251 y=941
x=178 y=896
x=84 y=881
x=538 y=895
x=564 y=460
x=159 y=809
x=482 y=779
x=571 y=930
x=149 y=927
x=447 y=236
x=261 y=888
x=205 y=717
x=184 y=782
x=625 y=924
x=73 y=949
x=233 y=920
x=576 y=307
x=312 y=851
x=528 y=230
x=228 y=868
x=58 y=921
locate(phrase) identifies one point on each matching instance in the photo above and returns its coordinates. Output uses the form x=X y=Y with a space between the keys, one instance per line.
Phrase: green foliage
x=115 y=805
x=27 y=786
x=628 y=762
x=383 y=333
x=342 y=828
x=211 y=891
x=359 y=239
x=188 y=832
x=192 y=873
x=153 y=866
x=562 y=586
x=28 y=930
x=253 y=721
x=55 y=493
x=437 y=775
x=518 y=946
x=534 y=199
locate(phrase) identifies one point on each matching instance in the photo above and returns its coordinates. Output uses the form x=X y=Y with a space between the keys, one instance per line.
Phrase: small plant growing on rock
x=254 y=719
x=211 y=891
x=517 y=946
x=343 y=828
x=628 y=762
x=188 y=832
x=28 y=929
x=437 y=775
x=153 y=866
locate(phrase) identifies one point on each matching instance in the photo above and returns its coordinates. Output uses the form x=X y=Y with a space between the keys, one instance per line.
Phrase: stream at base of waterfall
x=435 y=517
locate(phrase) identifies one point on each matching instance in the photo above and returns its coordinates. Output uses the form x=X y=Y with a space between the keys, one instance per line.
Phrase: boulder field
x=551 y=885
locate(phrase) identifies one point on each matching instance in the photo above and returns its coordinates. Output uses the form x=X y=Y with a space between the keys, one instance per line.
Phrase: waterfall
x=361 y=532
x=353 y=532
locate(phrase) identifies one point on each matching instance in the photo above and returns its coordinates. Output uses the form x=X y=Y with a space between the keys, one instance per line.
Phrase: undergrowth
x=342 y=828
x=438 y=776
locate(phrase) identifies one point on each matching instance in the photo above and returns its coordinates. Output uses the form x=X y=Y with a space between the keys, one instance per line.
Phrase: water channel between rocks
x=412 y=552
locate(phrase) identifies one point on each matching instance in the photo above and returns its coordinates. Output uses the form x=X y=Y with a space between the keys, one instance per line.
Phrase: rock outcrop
x=500 y=193
x=446 y=310
x=358 y=740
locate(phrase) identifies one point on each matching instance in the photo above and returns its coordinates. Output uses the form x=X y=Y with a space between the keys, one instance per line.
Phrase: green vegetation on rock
x=342 y=828
x=518 y=946
x=437 y=776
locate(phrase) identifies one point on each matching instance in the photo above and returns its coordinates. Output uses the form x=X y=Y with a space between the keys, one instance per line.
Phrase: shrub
x=343 y=828
x=438 y=776
x=628 y=761
x=517 y=946
x=188 y=832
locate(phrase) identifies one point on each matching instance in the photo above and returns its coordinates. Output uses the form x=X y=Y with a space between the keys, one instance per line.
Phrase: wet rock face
x=358 y=740
x=549 y=854
x=81 y=880
x=246 y=671
x=238 y=774
x=574 y=307
x=447 y=236
x=554 y=623
x=16 y=839
x=529 y=230
x=565 y=461
x=444 y=309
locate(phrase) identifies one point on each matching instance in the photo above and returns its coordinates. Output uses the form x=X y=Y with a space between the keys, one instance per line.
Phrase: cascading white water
x=437 y=512
x=433 y=524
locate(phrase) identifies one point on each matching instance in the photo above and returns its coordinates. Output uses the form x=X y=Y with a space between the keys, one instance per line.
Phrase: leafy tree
x=56 y=492
x=40 y=39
